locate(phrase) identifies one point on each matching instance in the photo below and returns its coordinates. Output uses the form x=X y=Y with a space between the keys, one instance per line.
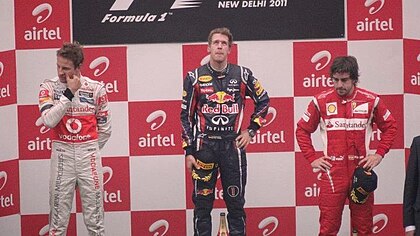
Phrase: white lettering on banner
x=6 y=201
x=42 y=34
x=316 y=82
x=218 y=194
x=312 y=191
x=346 y=124
x=112 y=197
x=153 y=141
x=266 y=222
x=5 y=92
x=374 y=25
x=158 y=224
x=376 y=135
x=257 y=3
x=39 y=145
x=111 y=87
x=228 y=4
x=415 y=79
x=268 y=137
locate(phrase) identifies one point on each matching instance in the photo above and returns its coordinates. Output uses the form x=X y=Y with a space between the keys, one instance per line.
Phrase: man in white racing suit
x=76 y=108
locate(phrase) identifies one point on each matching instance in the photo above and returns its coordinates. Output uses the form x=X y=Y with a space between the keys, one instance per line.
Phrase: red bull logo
x=221 y=97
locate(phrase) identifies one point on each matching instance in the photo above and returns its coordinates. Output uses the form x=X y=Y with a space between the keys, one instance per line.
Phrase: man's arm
x=411 y=185
x=387 y=125
x=188 y=111
x=52 y=113
x=103 y=117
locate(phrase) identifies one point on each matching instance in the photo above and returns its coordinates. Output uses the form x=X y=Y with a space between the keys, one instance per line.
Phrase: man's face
x=343 y=84
x=65 y=67
x=219 y=48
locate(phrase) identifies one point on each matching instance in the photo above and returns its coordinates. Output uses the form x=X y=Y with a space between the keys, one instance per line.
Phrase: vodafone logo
x=3 y=175
x=38 y=11
x=267 y=222
x=319 y=56
x=73 y=125
x=159 y=224
x=96 y=63
x=373 y=9
x=1 y=68
x=107 y=170
x=155 y=115
x=379 y=219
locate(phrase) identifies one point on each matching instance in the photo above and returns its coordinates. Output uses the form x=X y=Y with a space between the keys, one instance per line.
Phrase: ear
x=208 y=48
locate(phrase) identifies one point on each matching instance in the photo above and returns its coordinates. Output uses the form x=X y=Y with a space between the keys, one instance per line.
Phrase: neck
x=218 y=66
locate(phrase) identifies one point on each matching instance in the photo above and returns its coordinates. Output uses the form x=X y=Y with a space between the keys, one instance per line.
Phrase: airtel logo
x=155 y=115
x=107 y=169
x=98 y=61
x=418 y=59
x=1 y=68
x=268 y=221
x=272 y=111
x=40 y=122
x=158 y=224
x=372 y=9
x=73 y=125
x=44 y=230
x=39 y=9
x=205 y=60
x=377 y=219
x=319 y=56
x=3 y=175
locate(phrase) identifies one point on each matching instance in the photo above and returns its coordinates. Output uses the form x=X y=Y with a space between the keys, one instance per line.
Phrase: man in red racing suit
x=345 y=116
x=76 y=109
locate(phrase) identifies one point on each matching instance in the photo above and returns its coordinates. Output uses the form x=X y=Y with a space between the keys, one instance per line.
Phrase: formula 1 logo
x=124 y=5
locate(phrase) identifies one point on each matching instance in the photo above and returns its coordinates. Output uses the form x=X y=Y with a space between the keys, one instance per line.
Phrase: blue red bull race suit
x=212 y=113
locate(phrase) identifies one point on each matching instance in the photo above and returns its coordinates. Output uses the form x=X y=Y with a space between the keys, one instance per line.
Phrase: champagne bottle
x=223 y=231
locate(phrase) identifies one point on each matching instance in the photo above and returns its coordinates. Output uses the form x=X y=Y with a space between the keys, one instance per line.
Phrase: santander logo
x=98 y=61
x=158 y=224
x=41 y=8
x=271 y=220
x=371 y=4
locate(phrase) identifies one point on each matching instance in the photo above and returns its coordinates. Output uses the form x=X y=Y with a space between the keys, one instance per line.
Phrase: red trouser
x=335 y=187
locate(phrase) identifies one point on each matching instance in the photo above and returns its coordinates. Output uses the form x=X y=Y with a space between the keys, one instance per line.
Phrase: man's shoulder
x=325 y=94
x=51 y=80
x=88 y=81
x=416 y=140
x=366 y=93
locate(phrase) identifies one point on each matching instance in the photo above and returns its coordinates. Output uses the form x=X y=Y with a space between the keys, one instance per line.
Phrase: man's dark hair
x=346 y=64
x=223 y=31
x=73 y=52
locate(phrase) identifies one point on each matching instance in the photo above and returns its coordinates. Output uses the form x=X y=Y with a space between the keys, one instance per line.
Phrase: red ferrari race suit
x=346 y=126
x=81 y=127
x=212 y=113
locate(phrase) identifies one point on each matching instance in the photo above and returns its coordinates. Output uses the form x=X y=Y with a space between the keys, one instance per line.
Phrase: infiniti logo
x=372 y=10
x=378 y=218
x=156 y=225
x=1 y=68
x=98 y=61
x=40 y=8
x=3 y=175
x=267 y=221
x=40 y=122
x=220 y=120
x=153 y=116
x=318 y=56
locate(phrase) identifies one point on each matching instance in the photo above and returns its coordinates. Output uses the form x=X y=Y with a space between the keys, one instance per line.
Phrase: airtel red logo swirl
x=39 y=9
x=271 y=220
x=320 y=55
x=158 y=224
x=371 y=4
x=380 y=221
x=3 y=175
x=1 y=68
x=96 y=63
x=152 y=119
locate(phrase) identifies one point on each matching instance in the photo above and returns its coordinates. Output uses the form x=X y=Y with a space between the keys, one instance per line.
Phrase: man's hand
x=190 y=162
x=73 y=82
x=322 y=163
x=371 y=161
x=410 y=233
x=243 y=139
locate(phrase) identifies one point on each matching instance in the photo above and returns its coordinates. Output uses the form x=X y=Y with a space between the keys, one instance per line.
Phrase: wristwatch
x=251 y=133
